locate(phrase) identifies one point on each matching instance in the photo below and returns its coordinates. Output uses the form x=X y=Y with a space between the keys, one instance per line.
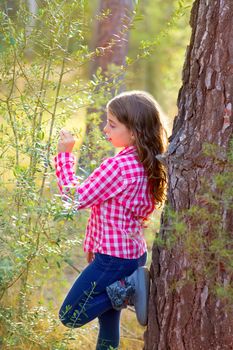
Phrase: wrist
x=63 y=157
x=64 y=149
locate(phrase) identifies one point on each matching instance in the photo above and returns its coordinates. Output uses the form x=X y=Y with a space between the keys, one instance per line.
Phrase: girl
x=121 y=193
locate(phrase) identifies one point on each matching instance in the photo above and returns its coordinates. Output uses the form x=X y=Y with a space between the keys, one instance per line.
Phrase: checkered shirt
x=117 y=193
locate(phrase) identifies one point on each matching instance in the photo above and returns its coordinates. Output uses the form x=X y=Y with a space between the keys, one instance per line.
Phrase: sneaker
x=140 y=280
x=120 y=292
x=132 y=290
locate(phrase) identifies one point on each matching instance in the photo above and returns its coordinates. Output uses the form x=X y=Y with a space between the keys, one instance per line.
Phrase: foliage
x=44 y=60
x=42 y=87
x=162 y=34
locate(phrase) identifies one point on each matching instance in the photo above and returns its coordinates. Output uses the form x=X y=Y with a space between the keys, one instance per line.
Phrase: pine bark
x=190 y=317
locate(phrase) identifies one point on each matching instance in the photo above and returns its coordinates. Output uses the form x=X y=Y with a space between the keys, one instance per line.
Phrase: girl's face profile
x=117 y=133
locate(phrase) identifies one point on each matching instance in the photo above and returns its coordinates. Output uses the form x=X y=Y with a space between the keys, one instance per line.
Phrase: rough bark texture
x=189 y=317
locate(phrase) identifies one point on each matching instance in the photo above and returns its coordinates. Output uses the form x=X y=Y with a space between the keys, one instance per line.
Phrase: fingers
x=64 y=133
x=66 y=141
x=66 y=136
x=90 y=257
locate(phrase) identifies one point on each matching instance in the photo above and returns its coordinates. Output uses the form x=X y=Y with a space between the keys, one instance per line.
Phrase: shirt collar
x=128 y=150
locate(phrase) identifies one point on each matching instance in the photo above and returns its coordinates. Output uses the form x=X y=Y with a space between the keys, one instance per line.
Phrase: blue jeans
x=87 y=298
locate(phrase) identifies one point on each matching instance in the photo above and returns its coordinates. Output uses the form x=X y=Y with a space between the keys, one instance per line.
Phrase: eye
x=111 y=125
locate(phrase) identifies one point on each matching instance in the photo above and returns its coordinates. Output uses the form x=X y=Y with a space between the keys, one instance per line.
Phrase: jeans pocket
x=142 y=260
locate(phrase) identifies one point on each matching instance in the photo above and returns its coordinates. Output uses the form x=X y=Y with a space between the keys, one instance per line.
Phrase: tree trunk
x=112 y=33
x=185 y=313
x=32 y=8
x=111 y=41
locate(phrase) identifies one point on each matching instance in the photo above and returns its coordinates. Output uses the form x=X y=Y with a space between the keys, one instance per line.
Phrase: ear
x=132 y=137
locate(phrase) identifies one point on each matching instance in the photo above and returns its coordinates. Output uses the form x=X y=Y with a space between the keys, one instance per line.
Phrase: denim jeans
x=87 y=298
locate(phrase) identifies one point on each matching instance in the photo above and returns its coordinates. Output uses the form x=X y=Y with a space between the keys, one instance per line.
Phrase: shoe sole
x=142 y=295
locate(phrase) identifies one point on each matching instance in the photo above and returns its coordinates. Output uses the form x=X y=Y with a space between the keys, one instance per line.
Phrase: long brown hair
x=139 y=112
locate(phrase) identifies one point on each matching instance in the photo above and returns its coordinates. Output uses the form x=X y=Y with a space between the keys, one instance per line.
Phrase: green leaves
x=37 y=232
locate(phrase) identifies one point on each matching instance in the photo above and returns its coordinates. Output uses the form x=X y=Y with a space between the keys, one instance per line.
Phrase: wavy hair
x=139 y=112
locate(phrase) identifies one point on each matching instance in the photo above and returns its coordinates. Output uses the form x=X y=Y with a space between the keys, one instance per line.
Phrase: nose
x=105 y=129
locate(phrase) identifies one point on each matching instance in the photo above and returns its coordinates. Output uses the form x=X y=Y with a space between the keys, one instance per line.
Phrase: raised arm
x=104 y=183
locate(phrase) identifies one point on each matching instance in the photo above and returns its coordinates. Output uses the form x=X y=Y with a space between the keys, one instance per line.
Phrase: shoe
x=132 y=290
x=140 y=279
x=120 y=293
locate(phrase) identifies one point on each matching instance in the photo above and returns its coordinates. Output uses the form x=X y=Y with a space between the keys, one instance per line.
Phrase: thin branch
x=30 y=86
x=34 y=126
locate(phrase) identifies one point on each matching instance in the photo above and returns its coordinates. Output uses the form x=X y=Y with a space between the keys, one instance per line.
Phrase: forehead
x=112 y=117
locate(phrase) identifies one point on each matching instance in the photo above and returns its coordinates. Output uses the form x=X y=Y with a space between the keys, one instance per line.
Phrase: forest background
x=46 y=52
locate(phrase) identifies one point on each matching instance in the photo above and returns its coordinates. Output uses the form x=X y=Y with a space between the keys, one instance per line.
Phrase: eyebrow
x=110 y=120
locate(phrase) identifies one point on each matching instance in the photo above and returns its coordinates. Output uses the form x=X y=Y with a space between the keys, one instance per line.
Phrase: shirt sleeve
x=104 y=183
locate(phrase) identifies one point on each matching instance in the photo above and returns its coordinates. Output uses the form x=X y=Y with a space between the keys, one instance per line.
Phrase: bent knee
x=71 y=320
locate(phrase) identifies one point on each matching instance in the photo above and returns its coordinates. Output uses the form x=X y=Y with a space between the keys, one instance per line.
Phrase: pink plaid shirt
x=118 y=195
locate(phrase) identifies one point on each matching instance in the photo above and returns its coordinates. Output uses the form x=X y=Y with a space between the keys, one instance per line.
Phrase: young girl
x=121 y=193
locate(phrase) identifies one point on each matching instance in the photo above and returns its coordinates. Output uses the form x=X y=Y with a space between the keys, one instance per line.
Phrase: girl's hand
x=90 y=256
x=66 y=141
